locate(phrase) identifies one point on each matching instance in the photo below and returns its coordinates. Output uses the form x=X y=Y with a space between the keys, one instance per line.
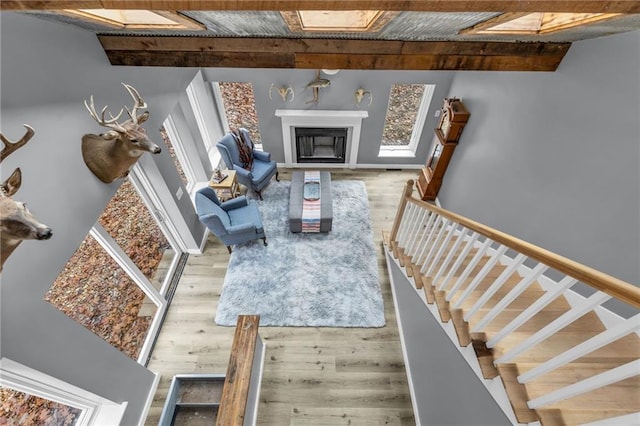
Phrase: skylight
x=135 y=19
x=337 y=20
x=536 y=23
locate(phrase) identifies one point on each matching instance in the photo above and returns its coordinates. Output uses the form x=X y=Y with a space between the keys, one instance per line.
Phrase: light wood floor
x=312 y=376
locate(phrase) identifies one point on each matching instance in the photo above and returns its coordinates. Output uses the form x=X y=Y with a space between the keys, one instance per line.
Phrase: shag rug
x=307 y=279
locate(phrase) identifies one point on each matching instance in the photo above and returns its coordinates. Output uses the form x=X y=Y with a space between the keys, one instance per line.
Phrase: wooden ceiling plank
x=200 y=44
x=201 y=59
x=328 y=46
x=576 y=6
x=332 y=60
x=429 y=62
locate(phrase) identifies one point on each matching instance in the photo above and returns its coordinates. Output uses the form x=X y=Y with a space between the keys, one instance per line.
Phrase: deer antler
x=111 y=123
x=138 y=102
x=10 y=147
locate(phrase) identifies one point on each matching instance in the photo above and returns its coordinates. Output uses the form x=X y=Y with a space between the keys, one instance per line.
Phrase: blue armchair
x=262 y=169
x=233 y=222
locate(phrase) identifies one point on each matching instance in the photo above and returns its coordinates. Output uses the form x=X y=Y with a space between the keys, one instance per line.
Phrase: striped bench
x=296 y=199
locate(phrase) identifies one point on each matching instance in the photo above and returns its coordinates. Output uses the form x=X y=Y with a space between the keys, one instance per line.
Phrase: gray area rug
x=316 y=280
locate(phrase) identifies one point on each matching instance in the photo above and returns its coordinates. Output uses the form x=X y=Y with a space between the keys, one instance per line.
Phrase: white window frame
x=96 y=410
x=174 y=136
x=421 y=117
x=210 y=145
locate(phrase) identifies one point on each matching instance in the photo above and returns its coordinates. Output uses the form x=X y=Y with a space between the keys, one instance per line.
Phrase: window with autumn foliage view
x=103 y=288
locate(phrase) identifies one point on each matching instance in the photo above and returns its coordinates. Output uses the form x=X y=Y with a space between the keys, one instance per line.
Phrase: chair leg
x=259 y=195
x=277 y=180
x=229 y=248
x=264 y=239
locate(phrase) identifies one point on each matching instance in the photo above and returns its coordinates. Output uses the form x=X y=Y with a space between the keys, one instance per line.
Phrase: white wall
x=554 y=158
x=47 y=70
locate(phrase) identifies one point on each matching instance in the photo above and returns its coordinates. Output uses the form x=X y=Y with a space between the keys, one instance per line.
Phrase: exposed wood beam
x=331 y=53
x=578 y=6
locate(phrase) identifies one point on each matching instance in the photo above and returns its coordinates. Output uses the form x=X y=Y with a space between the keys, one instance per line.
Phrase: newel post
x=408 y=190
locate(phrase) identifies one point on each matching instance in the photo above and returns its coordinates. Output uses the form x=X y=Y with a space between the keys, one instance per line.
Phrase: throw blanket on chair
x=246 y=156
x=311 y=208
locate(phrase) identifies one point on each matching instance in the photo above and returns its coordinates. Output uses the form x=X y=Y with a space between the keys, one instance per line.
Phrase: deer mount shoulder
x=16 y=221
x=111 y=155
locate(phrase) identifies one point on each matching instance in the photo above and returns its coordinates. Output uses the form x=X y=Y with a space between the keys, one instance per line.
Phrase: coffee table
x=296 y=199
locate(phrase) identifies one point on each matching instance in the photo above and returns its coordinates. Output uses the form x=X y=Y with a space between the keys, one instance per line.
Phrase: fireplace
x=320 y=145
x=343 y=128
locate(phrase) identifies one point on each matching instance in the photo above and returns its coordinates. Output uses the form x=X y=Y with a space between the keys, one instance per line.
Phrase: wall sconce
x=283 y=91
x=360 y=94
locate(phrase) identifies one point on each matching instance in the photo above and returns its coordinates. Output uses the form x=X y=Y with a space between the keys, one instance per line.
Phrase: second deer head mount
x=110 y=155
x=16 y=221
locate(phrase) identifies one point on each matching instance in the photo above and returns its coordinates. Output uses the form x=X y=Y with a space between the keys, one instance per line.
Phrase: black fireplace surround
x=320 y=145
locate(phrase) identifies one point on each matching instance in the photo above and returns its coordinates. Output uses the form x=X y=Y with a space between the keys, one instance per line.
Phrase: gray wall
x=554 y=158
x=338 y=96
x=446 y=390
x=47 y=71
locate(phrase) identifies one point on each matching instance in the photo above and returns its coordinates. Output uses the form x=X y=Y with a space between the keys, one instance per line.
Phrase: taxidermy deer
x=16 y=222
x=110 y=155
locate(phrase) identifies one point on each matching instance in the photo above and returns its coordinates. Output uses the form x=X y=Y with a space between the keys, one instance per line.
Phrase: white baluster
x=630 y=369
x=596 y=342
x=460 y=259
x=481 y=275
x=532 y=310
x=443 y=247
x=497 y=284
x=436 y=243
x=428 y=231
x=467 y=271
x=407 y=220
x=415 y=233
x=424 y=231
x=511 y=296
x=460 y=238
x=554 y=326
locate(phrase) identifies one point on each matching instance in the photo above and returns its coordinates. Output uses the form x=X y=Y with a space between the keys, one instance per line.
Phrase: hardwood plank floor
x=312 y=376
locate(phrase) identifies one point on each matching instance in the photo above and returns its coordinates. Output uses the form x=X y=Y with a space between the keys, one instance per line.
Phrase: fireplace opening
x=320 y=145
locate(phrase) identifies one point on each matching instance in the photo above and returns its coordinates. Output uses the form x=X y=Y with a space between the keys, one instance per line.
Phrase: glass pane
x=129 y=222
x=240 y=106
x=172 y=154
x=95 y=291
x=404 y=103
x=19 y=408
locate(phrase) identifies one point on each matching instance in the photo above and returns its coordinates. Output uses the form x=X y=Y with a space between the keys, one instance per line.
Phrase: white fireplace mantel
x=292 y=118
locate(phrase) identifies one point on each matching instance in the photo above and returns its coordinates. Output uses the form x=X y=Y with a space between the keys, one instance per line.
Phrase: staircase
x=560 y=357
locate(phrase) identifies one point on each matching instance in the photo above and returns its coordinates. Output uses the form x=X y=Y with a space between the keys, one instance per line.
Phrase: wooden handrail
x=235 y=391
x=613 y=286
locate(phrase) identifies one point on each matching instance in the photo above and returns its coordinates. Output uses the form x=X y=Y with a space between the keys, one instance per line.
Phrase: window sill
x=405 y=152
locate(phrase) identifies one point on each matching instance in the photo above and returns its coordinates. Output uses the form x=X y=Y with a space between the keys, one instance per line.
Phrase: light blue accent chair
x=234 y=222
x=262 y=170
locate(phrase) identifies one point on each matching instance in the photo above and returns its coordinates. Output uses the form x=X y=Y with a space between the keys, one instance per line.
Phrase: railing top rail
x=613 y=286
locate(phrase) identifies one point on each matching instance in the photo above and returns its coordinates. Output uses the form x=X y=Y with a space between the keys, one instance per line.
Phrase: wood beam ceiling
x=576 y=6
x=331 y=53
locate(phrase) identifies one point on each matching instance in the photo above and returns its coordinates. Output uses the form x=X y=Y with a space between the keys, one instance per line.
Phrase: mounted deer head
x=110 y=155
x=16 y=222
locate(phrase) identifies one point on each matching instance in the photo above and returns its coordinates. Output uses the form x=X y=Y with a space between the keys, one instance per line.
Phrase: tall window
x=102 y=287
x=19 y=408
x=240 y=107
x=406 y=114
